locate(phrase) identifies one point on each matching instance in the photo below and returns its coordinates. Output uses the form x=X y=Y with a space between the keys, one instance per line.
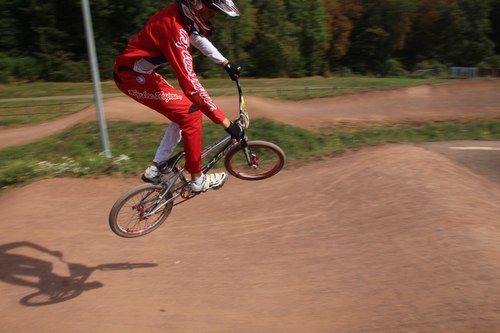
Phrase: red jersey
x=166 y=39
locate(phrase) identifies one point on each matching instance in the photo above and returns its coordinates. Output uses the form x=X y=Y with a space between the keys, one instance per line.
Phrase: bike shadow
x=23 y=270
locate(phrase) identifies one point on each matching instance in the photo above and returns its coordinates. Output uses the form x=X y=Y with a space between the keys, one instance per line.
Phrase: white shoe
x=214 y=180
x=151 y=175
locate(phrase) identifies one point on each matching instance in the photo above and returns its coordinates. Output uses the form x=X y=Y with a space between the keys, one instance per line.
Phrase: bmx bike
x=144 y=208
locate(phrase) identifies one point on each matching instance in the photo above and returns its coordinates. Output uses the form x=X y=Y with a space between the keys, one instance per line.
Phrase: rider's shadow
x=22 y=270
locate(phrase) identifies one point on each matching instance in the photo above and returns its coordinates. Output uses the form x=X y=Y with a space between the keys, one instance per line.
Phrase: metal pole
x=95 y=78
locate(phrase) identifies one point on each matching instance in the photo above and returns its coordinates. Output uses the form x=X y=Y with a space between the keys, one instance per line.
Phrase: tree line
x=45 y=40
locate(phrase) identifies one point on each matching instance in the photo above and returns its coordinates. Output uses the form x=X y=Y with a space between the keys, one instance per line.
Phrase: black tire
x=269 y=157
x=125 y=218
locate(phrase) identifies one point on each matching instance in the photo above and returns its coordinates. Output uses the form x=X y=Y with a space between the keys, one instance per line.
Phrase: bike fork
x=251 y=158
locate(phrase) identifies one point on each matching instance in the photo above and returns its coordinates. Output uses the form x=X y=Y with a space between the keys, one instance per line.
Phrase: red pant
x=155 y=92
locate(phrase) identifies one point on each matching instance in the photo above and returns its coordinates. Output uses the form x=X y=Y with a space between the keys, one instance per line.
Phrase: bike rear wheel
x=267 y=160
x=129 y=215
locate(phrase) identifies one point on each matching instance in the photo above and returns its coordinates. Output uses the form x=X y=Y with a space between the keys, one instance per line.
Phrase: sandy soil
x=387 y=239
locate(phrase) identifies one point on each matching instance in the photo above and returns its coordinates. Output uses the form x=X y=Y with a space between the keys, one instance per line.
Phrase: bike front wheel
x=131 y=216
x=266 y=160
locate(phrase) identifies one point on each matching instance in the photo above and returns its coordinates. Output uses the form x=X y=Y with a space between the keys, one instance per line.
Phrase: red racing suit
x=166 y=39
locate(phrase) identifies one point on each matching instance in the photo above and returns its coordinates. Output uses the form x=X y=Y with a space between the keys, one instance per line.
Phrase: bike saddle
x=168 y=165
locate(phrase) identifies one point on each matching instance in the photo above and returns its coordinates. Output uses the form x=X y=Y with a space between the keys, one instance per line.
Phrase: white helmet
x=192 y=9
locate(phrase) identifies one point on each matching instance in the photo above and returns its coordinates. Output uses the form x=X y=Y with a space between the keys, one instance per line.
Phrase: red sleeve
x=174 y=43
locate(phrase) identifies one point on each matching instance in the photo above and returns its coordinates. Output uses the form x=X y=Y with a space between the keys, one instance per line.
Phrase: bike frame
x=177 y=183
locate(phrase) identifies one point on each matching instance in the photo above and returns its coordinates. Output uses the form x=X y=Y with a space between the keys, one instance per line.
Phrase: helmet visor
x=226 y=6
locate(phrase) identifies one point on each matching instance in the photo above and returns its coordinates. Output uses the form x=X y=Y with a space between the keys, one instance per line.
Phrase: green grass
x=76 y=152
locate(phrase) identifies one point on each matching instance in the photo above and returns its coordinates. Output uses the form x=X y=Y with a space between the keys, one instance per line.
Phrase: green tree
x=232 y=37
x=275 y=50
x=46 y=40
x=463 y=33
x=46 y=31
x=382 y=31
x=495 y=24
x=422 y=42
x=308 y=19
x=52 y=32
x=342 y=17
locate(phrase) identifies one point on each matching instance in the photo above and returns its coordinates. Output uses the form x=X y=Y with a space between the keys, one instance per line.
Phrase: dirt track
x=455 y=100
x=387 y=239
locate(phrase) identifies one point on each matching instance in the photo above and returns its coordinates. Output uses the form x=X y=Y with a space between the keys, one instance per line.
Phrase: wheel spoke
x=136 y=220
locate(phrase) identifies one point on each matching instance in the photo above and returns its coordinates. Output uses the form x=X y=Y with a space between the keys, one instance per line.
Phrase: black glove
x=233 y=70
x=235 y=131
